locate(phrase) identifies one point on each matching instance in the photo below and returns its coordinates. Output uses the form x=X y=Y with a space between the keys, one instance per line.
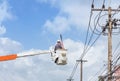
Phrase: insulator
x=119 y=6
x=103 y=6
x=115 y=24
x=92 y=6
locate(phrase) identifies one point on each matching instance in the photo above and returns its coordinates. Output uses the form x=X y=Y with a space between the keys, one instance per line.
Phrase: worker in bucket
x=59 y=45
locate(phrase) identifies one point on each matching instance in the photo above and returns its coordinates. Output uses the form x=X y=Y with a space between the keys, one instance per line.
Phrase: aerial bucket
x=60 y=57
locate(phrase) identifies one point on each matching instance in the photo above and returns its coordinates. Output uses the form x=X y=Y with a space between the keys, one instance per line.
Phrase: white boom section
x=33 y=53
x=59 y=57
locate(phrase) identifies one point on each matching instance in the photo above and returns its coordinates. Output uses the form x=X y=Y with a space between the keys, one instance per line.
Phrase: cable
x=116 y=60
x=109 y=3
x=75 y=67
x=90 y=46
x=83 y=54
x=116 y=48
x=92 y=6
x=94 y=27
x=97 y=17
x=76 y=64
x=92 y=1
x=74 y=70
x=86 y=48
x=95 y=23
x=116 y=12
x=93 y=31
x=100 y=18
x=101 y=71
x=117 y=55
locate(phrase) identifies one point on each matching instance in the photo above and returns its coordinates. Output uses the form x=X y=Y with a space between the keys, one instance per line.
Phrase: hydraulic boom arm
x=59 y=57
x=23 y=54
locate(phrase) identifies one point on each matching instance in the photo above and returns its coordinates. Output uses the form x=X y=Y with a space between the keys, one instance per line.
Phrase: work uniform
x=58 y=46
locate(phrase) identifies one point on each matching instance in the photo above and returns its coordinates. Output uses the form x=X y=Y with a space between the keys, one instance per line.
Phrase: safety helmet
x=58 y=41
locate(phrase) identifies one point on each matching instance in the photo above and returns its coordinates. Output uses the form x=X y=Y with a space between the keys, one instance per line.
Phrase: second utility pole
x=81 y=68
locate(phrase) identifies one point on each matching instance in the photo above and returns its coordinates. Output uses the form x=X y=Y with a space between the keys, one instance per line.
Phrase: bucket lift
x=59 y=57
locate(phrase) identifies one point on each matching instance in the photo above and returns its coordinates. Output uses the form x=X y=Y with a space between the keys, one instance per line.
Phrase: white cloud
x=71 y=14
x=60 y=24
x=2 y=30
x=9 y=46
x=31 y=68
x=76 y=49
x=95 y=57
x=74 y=13
x=5 y=12
x=39 y=67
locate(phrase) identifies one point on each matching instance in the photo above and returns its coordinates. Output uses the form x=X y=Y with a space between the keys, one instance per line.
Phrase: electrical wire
x=86 y=47
x=109 y=3
x=106 y=69
x=116 y=60
x=92 y=1
x=89 y=26
x=90 y=47
x=118 y=45
x=88 y=31
x=97 y=17
x=93 y=31
x=101 y=71
x=116 y=12
x=114 y=52
x=117 y=54
x=83 y=54
x=76 y=64
x=100 y=18
x=95 y=23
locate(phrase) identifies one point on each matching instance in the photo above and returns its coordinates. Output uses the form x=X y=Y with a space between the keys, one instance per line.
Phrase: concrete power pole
x=109 y=27
x=109 y=44
x=81 y=68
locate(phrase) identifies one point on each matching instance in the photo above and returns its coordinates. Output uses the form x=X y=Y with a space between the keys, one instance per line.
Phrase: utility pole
x=109 y=27
x=81 y=68
x=109 y=44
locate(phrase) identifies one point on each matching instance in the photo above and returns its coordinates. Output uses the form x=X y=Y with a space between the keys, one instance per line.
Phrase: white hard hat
x=58 y=40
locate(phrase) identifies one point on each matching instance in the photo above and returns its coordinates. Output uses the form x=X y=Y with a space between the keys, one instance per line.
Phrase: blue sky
x=37 y=24
x=28 y=20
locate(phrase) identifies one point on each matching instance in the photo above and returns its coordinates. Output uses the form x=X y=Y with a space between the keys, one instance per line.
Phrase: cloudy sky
x=37 y=24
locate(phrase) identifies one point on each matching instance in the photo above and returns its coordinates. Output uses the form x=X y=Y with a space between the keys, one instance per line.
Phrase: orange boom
x=8 y=57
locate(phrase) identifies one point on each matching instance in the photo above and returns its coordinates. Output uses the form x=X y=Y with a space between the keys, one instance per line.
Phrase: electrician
x=59 y=45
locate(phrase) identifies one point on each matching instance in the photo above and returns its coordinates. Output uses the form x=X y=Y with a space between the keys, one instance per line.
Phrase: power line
x=97 y=17
x=86 y=46
x=83 y=54
x=109 y=3
x=101 y=71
